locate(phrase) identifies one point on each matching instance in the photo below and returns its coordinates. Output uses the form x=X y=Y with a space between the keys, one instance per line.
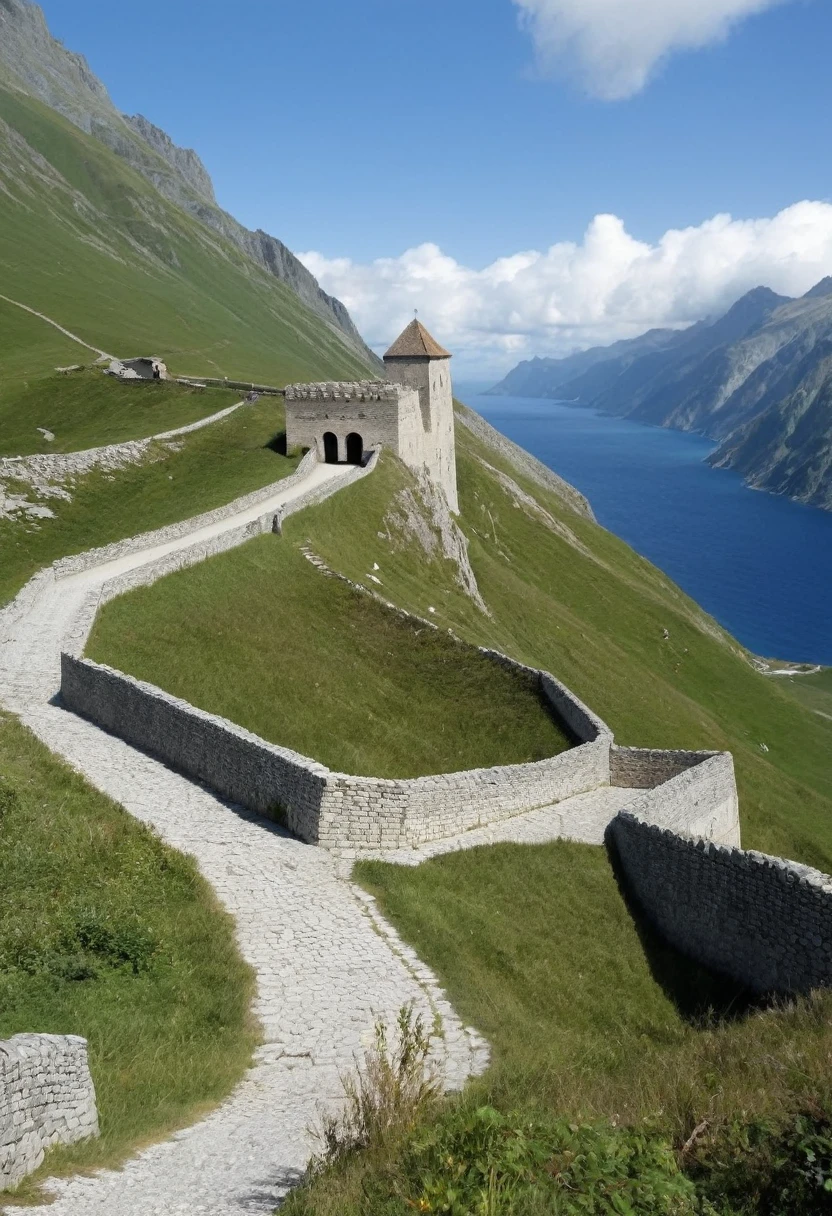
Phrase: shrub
x=482 y=1162
x=765 y=1170
x=387 y=1095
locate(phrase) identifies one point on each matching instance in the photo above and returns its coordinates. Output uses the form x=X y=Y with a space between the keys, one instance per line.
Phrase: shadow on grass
x=278 y=444
x=701 y=996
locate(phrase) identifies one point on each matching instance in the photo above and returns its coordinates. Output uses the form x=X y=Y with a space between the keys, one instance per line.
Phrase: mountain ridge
x=752 y=380
x=33 y=60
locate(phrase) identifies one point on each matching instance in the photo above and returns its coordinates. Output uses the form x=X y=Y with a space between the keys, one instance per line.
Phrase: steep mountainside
x=92 y=245
x=31 y=59
x=788 y=448
x=752 y=379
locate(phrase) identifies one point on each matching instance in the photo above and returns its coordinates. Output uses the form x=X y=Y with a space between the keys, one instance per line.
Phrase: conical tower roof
x=416 y=343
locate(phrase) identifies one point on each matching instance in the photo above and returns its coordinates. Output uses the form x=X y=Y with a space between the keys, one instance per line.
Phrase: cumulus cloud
x=574 y=295
x=613 y=46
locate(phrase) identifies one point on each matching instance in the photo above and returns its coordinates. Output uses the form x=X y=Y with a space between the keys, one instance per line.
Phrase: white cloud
x=613 y=46
x=576 y=295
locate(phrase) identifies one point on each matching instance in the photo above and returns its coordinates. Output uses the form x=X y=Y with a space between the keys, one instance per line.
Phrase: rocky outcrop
x=35 y=61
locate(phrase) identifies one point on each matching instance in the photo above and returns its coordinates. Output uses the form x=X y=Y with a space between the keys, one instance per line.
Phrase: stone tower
x=417 y=361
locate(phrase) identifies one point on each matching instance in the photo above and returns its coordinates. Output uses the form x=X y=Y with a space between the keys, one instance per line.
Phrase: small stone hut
x=410 y=413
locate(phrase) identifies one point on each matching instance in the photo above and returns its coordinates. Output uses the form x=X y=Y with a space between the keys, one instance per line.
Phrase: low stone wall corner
x=47 y=1097
x=763 y=921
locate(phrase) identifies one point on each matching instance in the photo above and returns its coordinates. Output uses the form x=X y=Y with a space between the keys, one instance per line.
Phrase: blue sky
x=365 y=129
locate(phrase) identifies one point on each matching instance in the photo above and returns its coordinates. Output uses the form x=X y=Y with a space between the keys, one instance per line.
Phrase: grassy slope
x=88 y=893
x=815 y=691
x=91 y=244
x=594 y=615
x=212 y=467
x=88 y=409
x=32 y=348
x=258 y=636
x=569 y=596
x=587 y=1013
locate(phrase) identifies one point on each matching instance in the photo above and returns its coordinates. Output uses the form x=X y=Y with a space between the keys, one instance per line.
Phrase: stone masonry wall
x=385 y=415
x=148 y=540
x=333 y=809
x=763 y=921
x=46 y=1098
x=644 y=768
x=271 y=780
x=700 y=802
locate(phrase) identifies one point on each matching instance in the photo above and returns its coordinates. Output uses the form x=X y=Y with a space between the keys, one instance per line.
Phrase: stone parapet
x=346 y=390
x=337 y=810
x=643 y=768
x=699 y=802
x=47 y=1097
x=67 y=566
x=763 y=921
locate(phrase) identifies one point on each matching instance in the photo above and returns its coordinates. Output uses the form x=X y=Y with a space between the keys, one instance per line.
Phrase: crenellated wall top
x=347 y=390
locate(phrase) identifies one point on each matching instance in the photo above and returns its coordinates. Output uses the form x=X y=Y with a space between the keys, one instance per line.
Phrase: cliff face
x=756 y=379
x=32 y=60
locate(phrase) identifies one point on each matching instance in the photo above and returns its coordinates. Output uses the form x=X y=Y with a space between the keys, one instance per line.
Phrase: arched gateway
x=330 y=447
x=410 y=414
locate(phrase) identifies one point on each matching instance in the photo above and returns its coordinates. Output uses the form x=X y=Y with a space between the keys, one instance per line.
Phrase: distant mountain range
x=758 y=380
x=35 y=62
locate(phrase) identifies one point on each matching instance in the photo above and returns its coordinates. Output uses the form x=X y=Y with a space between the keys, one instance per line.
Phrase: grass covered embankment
x=200 y=472
x=258 y=636
x=814 y=691
x=138 y=275
x=589 y=1017
x=108 y=933
x=87 y=409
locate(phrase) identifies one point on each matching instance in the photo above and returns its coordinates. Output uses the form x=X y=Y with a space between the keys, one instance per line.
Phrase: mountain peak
x=823 y=288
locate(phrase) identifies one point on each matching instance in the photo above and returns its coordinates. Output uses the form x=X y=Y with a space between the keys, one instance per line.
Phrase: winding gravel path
x=327 y=965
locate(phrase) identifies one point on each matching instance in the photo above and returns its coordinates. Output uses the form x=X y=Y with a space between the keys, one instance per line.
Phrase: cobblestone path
x=326 y=968
x=327 y=965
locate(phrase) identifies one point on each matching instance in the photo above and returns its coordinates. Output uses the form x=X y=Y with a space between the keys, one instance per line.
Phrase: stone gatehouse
x=411 y=413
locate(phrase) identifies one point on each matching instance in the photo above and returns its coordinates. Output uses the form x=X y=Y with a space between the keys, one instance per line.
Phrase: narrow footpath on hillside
x=66 y=332
x=324 y=971
x=327 y=965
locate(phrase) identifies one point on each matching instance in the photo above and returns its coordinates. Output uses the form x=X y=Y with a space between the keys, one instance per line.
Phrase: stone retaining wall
x=763 y=921
x=148 y=540
x=264 y=389
x=699 y=803
x=46 y=1098
x=192 y=555
x=645 y=768
x=334 y=809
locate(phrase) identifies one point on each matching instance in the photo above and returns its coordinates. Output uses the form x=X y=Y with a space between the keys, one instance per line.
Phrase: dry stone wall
x=148 y=540
x=644 y=768
x=47 y=1097
x=763 y=921
x=699 y=802
x=333 y=809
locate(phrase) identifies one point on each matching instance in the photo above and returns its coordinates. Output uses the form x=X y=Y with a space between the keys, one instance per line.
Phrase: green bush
x=480 y=1162
x=484 y=1162
x=764 y=1170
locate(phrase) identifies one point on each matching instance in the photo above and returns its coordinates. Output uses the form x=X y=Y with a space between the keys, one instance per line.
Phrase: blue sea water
x=760 y=564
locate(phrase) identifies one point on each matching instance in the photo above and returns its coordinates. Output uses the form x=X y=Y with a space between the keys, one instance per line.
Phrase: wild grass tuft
x=395 y=1087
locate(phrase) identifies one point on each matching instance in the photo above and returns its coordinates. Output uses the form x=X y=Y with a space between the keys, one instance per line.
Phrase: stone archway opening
x=330 y=447
x=355 y=448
